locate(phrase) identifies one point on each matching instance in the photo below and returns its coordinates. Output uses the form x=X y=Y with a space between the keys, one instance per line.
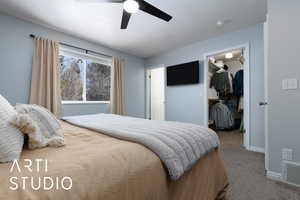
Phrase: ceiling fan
x=132 y=6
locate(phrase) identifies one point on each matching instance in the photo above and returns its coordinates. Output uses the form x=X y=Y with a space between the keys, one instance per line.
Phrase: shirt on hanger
x=220 y=81
x=238 y=84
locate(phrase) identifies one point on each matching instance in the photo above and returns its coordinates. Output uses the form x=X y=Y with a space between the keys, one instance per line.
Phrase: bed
x=103 y=167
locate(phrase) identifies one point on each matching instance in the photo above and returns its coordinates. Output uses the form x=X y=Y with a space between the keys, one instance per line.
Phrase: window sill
x=85 y=102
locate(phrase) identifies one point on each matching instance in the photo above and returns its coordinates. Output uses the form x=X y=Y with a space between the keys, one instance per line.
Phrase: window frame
x=84 y=56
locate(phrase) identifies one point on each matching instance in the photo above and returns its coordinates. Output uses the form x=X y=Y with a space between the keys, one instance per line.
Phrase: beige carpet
x=247 y=173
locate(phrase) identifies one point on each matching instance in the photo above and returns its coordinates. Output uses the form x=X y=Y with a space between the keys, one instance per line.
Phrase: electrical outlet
x=287 y=154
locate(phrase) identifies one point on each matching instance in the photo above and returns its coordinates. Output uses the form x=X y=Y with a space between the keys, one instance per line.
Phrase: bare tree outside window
x=97 y=82
x=84 y=80
x=71 y=79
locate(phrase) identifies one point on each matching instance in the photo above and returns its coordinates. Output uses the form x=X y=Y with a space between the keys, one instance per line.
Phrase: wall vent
x=291 y=172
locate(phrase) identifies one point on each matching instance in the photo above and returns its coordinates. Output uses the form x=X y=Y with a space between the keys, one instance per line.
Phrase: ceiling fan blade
x=125 y=19
x=100 y=1
x=150 y=9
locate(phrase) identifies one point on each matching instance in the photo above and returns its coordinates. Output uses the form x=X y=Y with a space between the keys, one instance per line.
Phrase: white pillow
x=11 y=139
x=42 y=127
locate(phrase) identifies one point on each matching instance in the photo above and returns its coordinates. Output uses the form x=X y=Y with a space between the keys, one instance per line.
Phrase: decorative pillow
x=24 y=123
x=41 y=126
x=11 y=139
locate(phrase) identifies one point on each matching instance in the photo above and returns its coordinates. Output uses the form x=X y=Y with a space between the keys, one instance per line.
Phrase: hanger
x=242 y=58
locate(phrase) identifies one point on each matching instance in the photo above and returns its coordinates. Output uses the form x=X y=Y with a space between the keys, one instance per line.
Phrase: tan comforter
x=102 y=167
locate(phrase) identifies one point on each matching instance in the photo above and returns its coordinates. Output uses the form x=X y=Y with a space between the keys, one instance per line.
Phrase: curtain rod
x=86 y=50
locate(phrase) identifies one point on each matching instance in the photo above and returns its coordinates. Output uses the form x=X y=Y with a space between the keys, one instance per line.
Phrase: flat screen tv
x=183 y=74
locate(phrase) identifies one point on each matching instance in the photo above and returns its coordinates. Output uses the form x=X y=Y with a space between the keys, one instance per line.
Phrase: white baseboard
x=278 y=177
x=256 y=149
x=274 y=176
x=289 y=183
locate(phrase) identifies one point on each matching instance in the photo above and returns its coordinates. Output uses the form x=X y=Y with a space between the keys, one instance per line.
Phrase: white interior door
x=257 y=107
x=157 y=94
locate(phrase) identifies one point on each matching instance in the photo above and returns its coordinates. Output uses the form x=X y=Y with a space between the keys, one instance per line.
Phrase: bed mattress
x=94 y=166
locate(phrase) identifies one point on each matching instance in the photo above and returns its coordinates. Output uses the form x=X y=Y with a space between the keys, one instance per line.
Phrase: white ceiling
x=146 y=36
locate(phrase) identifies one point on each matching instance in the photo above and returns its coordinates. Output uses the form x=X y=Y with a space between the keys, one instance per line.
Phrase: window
x=84 y=79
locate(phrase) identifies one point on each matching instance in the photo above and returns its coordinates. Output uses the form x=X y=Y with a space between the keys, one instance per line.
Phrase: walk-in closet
x=226 y=94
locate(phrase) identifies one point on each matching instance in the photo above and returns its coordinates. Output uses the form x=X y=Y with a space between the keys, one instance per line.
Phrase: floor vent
x=291 y=172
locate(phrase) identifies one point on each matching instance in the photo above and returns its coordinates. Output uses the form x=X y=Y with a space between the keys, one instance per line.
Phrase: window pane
x=71 y=75
x=97 y=82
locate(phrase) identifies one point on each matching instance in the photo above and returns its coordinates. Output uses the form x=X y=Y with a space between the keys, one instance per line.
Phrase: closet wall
x=234 y=66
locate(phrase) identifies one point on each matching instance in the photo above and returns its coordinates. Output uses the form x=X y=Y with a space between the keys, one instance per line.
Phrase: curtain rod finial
x=31 y=35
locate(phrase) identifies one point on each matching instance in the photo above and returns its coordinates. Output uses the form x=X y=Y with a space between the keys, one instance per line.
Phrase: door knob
x=263 y=103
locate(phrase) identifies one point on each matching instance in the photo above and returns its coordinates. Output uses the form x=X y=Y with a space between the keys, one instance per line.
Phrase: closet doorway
x=227 y=93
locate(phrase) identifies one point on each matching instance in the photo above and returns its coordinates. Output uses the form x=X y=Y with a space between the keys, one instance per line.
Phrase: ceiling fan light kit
x=132 y=6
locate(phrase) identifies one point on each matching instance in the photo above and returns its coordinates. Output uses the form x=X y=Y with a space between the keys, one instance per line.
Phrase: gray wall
x=185 y=103
x=283 y=62
x=16 y=49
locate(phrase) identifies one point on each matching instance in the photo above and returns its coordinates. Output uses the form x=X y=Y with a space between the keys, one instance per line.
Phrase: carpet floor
x=246 y=173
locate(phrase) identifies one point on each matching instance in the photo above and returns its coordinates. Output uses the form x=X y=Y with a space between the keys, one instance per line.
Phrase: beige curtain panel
x=45 y=81
x=116 y=101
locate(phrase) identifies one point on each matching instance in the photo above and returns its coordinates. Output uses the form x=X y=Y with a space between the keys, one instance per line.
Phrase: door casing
x=246 y=67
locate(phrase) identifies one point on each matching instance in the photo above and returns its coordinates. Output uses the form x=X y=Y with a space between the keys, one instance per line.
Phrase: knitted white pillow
x=11 y=139
x=48 y=130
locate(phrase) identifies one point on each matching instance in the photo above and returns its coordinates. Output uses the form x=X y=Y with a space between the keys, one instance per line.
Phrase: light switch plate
x=292 y=84
x=285 y=84
x=289 y=84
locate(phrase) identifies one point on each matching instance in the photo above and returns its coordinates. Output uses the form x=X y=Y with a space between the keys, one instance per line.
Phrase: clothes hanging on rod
x=238 y=84
x=232 y=104
x=230 y=76
x=222 y=116
x=221 y=83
